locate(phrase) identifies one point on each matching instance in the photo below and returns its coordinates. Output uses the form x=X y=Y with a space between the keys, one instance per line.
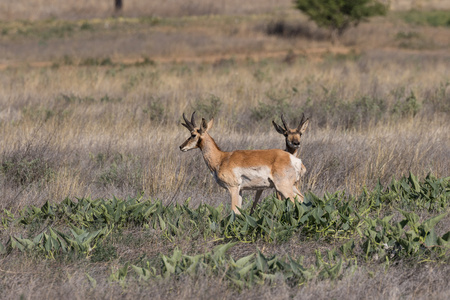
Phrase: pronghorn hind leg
x=285 y=191
x=278 y=195
x=255 y=202
x=298 y=195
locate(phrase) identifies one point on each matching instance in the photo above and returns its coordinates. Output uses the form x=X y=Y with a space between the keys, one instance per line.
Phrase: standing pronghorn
x=292 y=146
x=245 y=169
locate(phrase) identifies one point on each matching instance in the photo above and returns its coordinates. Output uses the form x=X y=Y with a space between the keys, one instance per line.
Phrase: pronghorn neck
x=293 y=151
x=211 y=152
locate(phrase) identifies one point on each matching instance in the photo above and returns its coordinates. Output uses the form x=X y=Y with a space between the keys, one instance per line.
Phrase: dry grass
x=104 y=131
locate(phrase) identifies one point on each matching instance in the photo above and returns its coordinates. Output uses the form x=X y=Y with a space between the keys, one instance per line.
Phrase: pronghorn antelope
x=292 y=146
x=244 y=169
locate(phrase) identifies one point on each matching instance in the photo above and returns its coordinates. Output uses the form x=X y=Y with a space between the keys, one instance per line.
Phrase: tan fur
x=245 y=169
x=292 y=146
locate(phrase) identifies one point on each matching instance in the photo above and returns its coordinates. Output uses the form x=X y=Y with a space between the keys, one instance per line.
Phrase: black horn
x=193 y=120
x=302 y=121
x=286 y=127
x=187 y=124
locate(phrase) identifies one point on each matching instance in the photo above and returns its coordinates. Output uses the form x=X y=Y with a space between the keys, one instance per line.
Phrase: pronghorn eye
x=193 y=136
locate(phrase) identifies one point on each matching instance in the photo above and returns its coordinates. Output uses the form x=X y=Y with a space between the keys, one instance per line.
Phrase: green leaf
x=242 y=272
x=28 y=244
x=261 y=262
x=219 y=251
x=16 y=244
x=412 y=218
x=239 y=283
x=429 y=224
x=194 y=261
x=169 y=267
x=244 y=260
x=251 y=221
x=414 y=182
x=162 y=224
x=431 y=239
x=298 y=269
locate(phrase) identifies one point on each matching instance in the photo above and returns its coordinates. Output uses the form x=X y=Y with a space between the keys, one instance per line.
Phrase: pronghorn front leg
x=236 y=199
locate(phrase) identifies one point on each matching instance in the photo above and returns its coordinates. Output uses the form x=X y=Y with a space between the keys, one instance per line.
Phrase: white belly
x=254 y=178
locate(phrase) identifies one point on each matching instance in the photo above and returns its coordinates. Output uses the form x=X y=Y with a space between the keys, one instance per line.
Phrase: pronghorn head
x=197 y=133
x=292 y=135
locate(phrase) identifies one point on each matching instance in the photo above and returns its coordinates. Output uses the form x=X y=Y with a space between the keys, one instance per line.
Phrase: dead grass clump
x=30 y=163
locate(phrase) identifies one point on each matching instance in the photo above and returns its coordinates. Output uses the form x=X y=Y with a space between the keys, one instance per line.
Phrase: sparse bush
x=119 y=170
x=155 y=110
x=210 y=106
x=25 y=171
x=361 y=112
x=146 y=62
x=91 y=61
x=38 y=113
x=109 y=99
x=278 y=104
x=86 y=26
x=29 y=164
x=424 y=17
x=338 y=16
x=408 y=107
x=287 y=30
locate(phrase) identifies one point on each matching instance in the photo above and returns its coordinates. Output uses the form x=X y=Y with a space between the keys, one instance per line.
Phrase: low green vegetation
x=383 y=225
x=426 y=18
x=338 y=16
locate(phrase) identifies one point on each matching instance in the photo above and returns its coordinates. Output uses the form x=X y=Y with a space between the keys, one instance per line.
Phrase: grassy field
x=91 y=109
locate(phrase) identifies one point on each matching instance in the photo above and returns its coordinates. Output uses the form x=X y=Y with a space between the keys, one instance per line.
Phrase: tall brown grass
x=103 y=131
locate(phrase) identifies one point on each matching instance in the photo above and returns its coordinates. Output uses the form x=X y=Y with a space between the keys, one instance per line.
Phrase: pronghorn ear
x=304 y=126
x=210 y=124
x=206 y=126
x=278 y=128
x=203 y=126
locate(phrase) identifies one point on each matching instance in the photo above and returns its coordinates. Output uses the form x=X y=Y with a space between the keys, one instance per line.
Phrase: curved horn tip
x=284 y=122
x=193 y=119
x=187 y=124
x=303 y=117
x=184 y=117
